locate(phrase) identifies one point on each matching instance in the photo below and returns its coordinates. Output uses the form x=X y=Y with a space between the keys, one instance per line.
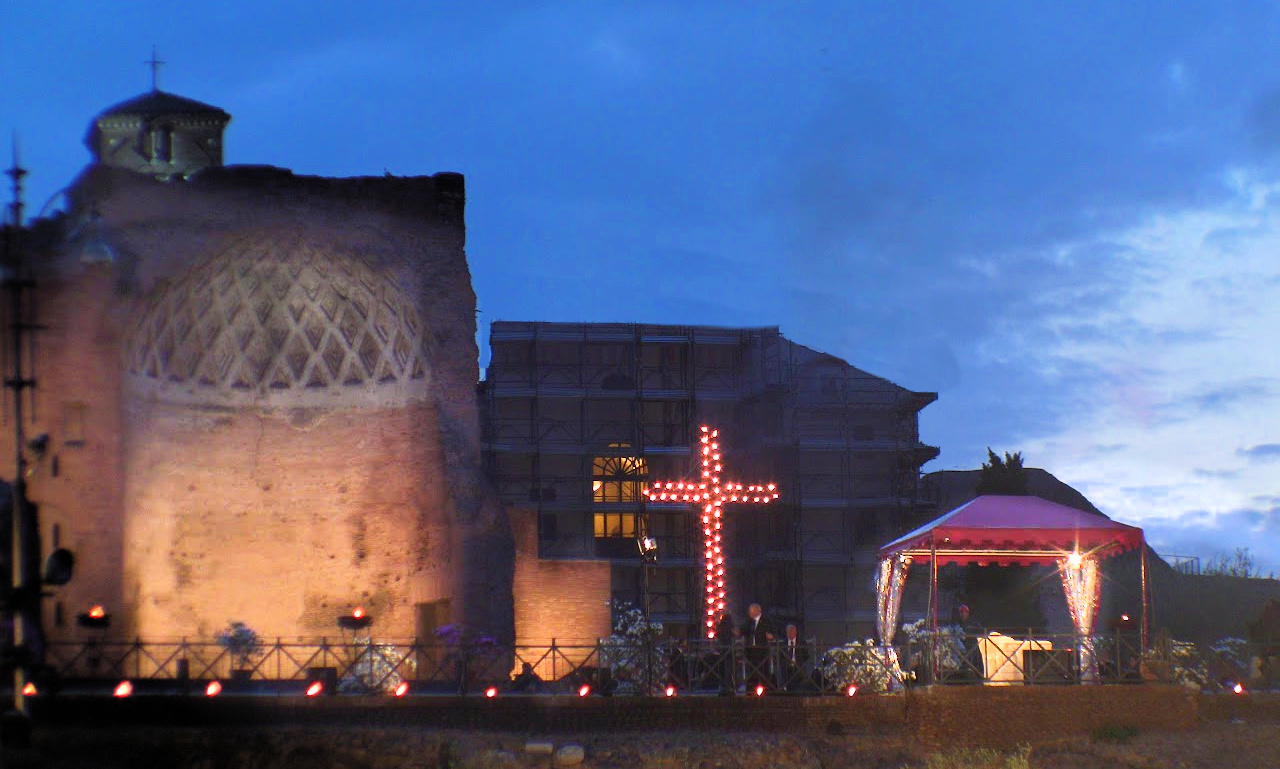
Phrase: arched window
x=617 y=479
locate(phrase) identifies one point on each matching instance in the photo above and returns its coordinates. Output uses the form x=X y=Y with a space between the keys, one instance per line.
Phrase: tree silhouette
x=1003 y=476
x=1241 y=564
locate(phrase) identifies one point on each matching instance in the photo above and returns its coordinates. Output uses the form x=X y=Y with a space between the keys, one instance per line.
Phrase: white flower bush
x=625 y=653
x=378 y=667
x=862 y=663
x=1188 y=667
x=949 y=640
x=1231 y=659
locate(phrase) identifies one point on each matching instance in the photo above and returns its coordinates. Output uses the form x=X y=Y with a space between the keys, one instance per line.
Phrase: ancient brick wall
x=562 y=600
x=283 y=520
x=77 y=479
x=279 y=504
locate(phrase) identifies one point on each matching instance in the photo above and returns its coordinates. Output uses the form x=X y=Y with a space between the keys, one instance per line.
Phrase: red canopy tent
x=998 y=530
x=1010 y=530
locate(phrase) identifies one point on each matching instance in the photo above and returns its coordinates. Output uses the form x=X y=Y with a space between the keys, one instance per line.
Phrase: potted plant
x=243 y=644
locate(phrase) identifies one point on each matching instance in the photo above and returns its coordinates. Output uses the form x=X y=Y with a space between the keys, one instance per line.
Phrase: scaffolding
x=843 y=444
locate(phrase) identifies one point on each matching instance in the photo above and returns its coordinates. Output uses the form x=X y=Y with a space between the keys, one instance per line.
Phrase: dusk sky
x=1057 y=216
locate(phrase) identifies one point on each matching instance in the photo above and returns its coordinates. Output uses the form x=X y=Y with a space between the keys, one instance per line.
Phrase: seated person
x=793 y=655
x=526 y=680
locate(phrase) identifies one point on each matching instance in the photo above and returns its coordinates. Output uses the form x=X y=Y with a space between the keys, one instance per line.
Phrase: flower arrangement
x=948 y=642
x=862 y=663
x=1231 y=660
x=377 y=667
x=1178 y=662
x=241 y=642
x=629 y=654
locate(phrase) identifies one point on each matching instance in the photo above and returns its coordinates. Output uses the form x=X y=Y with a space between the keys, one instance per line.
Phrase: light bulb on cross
x=710 y=494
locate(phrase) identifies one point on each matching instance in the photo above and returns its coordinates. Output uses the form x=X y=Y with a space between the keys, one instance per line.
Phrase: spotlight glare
x=403 y=688
x=1238 y=688
x=671 y=691
x=123 y=689
x=1124 y=617
x=852 y=690
x=491 y=692
x=213 y=689
x=357 y=612
x=759 y=690
x=97 y=612
x=29 y=690
x=315 y=688
x=584 y=690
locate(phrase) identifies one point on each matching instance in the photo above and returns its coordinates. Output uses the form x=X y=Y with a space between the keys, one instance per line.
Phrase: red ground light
x=213 y=689
x=314 y=689
x=124 y=689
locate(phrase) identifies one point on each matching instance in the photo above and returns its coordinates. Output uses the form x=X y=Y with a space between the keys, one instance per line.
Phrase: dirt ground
x=1216 y=745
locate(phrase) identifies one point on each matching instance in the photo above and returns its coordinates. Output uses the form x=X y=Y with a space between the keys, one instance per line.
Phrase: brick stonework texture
x=562 y=600
x=279 y=502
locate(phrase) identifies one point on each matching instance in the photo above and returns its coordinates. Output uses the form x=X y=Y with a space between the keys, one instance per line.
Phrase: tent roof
x=1008 y=530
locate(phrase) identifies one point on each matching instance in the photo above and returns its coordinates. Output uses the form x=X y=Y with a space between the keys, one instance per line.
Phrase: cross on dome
x=155 y=65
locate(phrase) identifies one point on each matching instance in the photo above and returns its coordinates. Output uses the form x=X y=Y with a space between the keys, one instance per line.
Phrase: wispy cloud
x=1267 y=452
x=1182 y=386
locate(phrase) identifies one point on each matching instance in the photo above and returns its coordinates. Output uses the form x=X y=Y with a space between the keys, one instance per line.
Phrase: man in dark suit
x=756 y=635
x=794 y=656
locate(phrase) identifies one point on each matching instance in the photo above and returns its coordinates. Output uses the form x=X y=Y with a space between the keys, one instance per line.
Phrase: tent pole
x=1145 y=616
x=933 y=587
x=934 y=670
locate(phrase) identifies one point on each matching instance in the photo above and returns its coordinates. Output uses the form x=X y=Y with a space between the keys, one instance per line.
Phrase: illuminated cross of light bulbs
x=710 y=493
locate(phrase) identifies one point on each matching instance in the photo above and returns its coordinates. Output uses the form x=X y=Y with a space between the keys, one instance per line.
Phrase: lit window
x=615 y=525
x=617 y=479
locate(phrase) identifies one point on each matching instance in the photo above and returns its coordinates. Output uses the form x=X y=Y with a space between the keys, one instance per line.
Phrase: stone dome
x=278 y=320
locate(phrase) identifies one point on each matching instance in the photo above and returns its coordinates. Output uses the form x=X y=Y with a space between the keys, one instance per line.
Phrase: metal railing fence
x=614 y=666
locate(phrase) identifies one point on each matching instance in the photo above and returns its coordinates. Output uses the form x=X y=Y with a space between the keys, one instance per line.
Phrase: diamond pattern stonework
x=267 y=315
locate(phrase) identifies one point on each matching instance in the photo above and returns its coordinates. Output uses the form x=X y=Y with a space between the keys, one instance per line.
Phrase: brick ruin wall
x=211 y=491
x=564 y=601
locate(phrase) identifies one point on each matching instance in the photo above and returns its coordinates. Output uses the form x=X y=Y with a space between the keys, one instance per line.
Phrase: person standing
x=971 y=664
x=756 y=635
x=726 y=631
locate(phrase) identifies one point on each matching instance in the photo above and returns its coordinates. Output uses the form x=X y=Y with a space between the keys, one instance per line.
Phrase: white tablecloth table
x=1002 y=657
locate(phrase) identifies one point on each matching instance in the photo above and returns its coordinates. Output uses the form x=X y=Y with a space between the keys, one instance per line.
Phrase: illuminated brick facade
x=258 y=392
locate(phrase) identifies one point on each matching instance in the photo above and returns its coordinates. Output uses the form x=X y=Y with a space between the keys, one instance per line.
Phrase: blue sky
x=1063 y=218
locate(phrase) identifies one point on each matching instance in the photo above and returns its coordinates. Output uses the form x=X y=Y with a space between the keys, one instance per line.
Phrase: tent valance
x=1008 y=530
